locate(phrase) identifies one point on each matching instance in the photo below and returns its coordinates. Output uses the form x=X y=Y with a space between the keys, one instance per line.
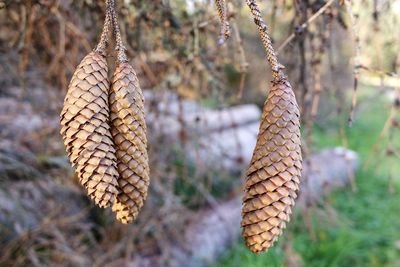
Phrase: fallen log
x=167 y=113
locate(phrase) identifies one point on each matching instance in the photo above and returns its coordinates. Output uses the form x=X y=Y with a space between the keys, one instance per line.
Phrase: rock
x=325 y=171
x=166 y=106
x=210 y=234
x=229 y=150
x=206 y=120
x=168 y=103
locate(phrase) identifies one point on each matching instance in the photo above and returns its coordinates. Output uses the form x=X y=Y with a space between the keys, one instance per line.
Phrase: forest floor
x=352 y=227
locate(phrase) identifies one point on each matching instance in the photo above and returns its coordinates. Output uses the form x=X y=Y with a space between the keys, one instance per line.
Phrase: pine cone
x=86 y=132
x=129 y=132
x=274 y=174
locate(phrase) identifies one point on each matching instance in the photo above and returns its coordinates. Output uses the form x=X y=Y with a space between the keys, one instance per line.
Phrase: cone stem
x=121 y=57
x=102 y=45
x=266 y=40
x=223 y=16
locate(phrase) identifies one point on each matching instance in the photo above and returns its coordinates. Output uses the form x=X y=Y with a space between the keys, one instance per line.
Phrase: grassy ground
x=351 y=228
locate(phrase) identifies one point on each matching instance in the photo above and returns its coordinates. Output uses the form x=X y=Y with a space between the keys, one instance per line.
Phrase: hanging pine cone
x=273 y=176
x=129 y=132
x=86 y=132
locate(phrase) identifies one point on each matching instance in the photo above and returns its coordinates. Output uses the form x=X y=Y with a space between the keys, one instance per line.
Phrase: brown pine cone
x=129 y=133
x=86 y=132
x=274 y=174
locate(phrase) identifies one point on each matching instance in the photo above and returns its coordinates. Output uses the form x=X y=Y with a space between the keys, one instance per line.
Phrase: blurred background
x=203 y=104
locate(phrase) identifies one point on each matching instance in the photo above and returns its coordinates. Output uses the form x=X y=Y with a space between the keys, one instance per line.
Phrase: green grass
x=351 y=228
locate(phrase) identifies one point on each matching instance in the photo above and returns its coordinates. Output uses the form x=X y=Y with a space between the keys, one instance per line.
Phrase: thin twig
x=378 y=72
x=374 y=151
x=242 y=58
x=305 y=25
x=223 y=16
